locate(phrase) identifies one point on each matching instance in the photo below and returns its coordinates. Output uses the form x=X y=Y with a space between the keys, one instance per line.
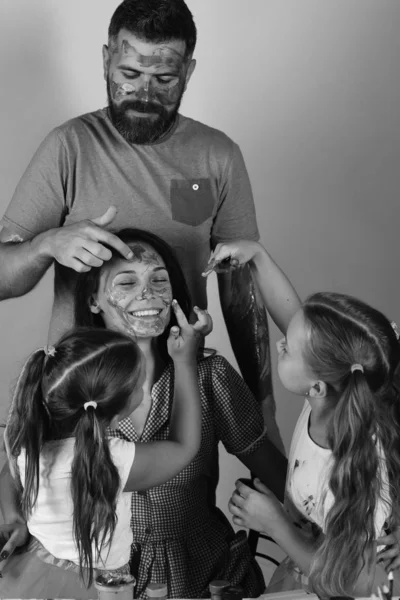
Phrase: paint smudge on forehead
x=163 y=56
x=145 y=255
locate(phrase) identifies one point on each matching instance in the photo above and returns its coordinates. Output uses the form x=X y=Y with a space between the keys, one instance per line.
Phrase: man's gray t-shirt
x=191 y=189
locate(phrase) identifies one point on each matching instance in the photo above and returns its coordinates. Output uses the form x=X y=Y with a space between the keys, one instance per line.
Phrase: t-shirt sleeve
x=237 y=416
x=236 y=216
x=39 y=200
x=123 y=455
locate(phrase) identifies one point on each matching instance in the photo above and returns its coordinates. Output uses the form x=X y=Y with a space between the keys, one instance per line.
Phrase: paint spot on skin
x=14 y=239
x=163 y=56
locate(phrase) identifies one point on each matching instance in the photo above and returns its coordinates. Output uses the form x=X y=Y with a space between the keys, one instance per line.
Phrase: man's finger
x=106 y=218
x=108 y=238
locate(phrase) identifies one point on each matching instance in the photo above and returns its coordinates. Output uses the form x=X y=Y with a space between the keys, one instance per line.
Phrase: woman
x=180 y=536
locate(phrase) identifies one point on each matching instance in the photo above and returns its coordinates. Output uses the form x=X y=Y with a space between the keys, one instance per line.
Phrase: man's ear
x=106 y=61
x=94 y=305
x=319 y=390
x=189 y=72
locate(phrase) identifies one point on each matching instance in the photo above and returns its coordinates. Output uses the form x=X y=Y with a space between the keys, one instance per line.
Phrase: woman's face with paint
x=134 y=296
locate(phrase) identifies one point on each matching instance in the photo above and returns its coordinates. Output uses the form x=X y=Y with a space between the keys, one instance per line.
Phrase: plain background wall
x=309 y=89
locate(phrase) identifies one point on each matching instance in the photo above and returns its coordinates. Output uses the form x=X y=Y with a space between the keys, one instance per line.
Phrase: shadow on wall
x=32 y=102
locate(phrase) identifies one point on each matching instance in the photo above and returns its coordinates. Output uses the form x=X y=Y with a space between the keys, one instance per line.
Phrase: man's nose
x=143 y=92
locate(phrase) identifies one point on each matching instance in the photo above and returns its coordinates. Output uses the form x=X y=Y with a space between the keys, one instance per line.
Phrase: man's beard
x=141 y=130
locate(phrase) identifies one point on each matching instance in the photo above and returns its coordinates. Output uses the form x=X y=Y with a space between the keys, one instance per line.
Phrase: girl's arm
x=157 y=462
x=9 y=497
x=260 y=510
x=278 y=294
x=14 y=532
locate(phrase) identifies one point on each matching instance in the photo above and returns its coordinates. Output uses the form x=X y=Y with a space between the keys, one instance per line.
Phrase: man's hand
x=80 y=246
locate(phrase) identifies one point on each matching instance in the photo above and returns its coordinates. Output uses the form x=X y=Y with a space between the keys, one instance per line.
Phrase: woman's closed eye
x=126 y=283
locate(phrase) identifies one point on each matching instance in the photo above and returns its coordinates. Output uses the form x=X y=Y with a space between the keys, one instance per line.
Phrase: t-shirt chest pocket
x=192 y=201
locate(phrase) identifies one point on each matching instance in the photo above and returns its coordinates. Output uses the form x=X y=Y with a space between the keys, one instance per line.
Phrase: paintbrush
x=390 y=578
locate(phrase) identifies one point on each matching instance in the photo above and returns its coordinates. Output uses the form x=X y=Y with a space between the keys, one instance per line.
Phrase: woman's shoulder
x=214 y=362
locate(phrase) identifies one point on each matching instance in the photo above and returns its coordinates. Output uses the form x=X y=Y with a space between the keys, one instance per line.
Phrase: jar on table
x=233 y=592
x=216 y=588
x=158 y=591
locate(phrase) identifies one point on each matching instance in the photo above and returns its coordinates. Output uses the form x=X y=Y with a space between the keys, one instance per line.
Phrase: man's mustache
x=143 y=107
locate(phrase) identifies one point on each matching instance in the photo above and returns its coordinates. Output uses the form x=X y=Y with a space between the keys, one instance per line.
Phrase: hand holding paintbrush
x=12 y=536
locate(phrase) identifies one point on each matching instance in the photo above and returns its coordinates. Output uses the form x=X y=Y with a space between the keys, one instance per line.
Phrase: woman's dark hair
x=365 y=427
x=154 y=21
x=48 y=403
x=87 y=285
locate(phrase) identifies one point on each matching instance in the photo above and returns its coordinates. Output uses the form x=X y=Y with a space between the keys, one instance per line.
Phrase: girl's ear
x=94 y=305
x=319 y=390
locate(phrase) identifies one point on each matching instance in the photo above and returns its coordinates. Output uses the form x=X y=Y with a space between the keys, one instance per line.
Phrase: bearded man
x=138 y=163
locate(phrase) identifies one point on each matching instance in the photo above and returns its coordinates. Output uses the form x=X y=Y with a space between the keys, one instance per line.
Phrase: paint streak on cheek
x=168 y=94
x=164 y=93
x=116 y=298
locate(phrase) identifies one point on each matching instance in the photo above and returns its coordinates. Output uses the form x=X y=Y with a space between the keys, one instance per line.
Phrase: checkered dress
x=180 y=536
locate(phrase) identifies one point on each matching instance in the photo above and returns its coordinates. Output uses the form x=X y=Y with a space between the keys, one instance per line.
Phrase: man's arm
x=22 y=264
x=269 y=465
x=247 y=325
x=78 y=246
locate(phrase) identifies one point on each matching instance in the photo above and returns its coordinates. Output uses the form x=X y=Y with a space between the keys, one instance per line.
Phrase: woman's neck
x=153 y=361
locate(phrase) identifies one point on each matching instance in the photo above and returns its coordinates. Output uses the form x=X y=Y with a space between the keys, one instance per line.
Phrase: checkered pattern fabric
x=180 y=536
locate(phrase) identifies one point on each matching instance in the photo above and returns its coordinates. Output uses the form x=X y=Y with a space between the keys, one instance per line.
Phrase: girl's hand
x=184 y=340
x=228 y=256
x=259 y=510
x=390 y=555
x=12 y=535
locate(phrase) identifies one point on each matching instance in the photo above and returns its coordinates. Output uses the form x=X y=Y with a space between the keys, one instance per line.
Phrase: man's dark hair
x=154 y=21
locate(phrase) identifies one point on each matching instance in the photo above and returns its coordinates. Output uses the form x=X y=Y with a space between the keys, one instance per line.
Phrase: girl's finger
x=233 y=508
x=174 y=332
x=180 y=315
x=261 y=487
x=239 y=521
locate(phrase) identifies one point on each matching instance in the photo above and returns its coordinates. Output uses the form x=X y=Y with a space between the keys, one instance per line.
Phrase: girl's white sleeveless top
x=51 y=519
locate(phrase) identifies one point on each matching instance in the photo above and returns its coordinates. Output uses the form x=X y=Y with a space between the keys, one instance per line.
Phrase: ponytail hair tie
x=49 y=350
x=357 y=367
x=90 y=403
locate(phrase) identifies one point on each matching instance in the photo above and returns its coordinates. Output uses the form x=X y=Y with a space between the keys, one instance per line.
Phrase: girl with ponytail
x=74 y=479
x=343 y=480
